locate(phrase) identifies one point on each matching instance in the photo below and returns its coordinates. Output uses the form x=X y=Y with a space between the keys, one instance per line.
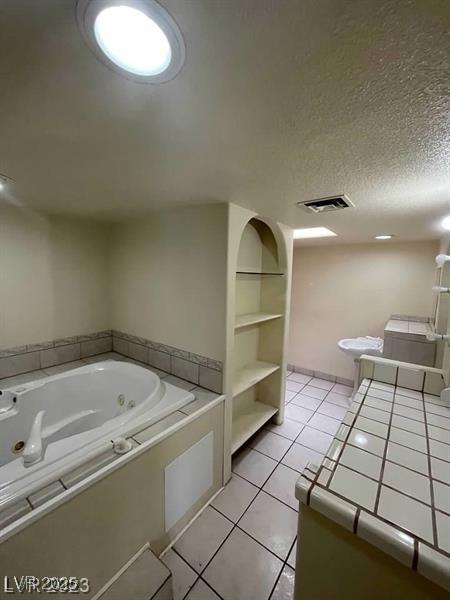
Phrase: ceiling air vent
x=326 y=204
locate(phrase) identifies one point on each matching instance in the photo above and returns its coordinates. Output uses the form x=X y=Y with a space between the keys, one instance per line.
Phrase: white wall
x=445 y=306
x=169 y=278
x=349 y=290
x=53 y=277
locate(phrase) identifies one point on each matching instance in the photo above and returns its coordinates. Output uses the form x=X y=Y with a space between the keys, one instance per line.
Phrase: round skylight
x=137 y=38
x=132 y=40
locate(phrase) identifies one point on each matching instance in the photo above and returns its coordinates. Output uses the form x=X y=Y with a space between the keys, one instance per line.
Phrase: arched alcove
x=258 y=249
x=259 y=329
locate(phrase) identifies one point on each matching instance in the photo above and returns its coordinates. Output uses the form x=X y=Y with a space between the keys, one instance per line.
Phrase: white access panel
x=187 y=478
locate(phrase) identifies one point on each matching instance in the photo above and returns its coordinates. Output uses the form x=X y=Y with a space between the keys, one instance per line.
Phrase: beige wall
x=53 y=277
x=169 y=274
x=161 y=278
x=350 y=290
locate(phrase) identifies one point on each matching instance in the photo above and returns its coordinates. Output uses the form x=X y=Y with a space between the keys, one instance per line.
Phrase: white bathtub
x=85 y=409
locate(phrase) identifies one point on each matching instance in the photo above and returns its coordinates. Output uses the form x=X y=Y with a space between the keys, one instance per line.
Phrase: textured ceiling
x=279 y=101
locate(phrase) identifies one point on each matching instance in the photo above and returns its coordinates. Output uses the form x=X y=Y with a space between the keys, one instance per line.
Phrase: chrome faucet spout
x=32 y=453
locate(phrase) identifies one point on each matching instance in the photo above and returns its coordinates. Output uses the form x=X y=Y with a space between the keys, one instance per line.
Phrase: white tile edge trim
x=434 y=566
x=367 y=365
x=338 y=510
x=386 y=537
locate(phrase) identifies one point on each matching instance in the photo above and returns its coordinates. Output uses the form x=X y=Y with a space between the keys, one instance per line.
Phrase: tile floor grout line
x=227 y=536
x=280 y=434
x=282 y=501
x=214 y=554
x=334 y=384
x=260 y=543
x=295 y=440
x=265 y=491
x=198 y=575
x=268 y=455
x=283 y=567
x=245 y=511
x=261 y=490
x=280 y=463
x=309 y=419
x=160 y=587
x=210 y=587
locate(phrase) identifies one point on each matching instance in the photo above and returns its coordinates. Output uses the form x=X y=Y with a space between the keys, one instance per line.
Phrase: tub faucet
x=32 y=453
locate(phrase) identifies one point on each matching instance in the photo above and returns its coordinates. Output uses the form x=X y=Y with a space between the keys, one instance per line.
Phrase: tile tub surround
x=202 y=371
x=203 y=399
x=198 y=369
x=32 y=357
x=387 y=472
x=251 y=525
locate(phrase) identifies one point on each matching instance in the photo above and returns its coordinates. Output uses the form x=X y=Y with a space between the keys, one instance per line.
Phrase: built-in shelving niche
x=258 y=332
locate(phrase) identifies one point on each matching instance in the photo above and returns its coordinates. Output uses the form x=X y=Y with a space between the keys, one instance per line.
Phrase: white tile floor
x=242 y=547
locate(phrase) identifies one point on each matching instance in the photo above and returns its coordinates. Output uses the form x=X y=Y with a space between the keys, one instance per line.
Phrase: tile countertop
x=416 y=329
x=386 y=476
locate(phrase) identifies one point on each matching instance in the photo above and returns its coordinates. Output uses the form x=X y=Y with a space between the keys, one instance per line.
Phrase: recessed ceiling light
x=386 y=236
x=446 y=223
x=136 y=38
x=312 y=232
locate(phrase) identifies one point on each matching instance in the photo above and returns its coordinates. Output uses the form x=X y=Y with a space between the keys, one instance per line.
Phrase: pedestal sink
x=356 y=347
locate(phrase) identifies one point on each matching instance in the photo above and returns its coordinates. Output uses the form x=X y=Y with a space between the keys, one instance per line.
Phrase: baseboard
x=321 y=375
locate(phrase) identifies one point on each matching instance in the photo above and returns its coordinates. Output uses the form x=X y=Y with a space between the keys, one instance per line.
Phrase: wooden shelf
x=254 y=318
x=245 y=424
x=251 y=374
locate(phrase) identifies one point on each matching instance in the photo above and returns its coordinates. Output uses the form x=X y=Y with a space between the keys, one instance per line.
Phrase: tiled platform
x=242 y=547
x=386 y=475
x=24 y=506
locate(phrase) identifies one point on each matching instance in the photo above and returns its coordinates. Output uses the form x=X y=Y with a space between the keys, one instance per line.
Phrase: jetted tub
x=85 y=410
